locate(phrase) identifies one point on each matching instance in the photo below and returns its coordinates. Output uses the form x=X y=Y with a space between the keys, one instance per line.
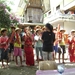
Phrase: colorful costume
x=17 y=46
x=71 y=49
x=4 y=47
x=29 y=51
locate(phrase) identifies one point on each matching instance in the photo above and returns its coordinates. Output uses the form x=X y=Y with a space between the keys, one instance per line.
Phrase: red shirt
x=3 y=39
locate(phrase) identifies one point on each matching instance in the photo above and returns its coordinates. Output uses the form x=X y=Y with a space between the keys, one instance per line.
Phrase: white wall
x=68 y=26
x=54 y=4
x=60 y=23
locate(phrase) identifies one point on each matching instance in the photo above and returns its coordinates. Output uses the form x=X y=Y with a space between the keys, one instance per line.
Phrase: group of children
x=11 y=45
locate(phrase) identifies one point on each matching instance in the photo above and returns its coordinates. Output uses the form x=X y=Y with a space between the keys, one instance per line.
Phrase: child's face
x=39 y=32
x=12 y=29
x=72 y=33
x=18 y=31
x=5 y=33
x=27 y=30
x=62 y=32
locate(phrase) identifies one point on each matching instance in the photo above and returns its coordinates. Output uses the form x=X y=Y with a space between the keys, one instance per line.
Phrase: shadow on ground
x=13 y=70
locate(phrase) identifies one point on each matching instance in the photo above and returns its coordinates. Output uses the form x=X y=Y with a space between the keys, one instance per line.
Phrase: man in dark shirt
x=48 y=38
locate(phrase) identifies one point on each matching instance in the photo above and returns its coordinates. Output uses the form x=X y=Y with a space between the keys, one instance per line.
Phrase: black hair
x=49 y=26
x=12 y=27
x=3 y=31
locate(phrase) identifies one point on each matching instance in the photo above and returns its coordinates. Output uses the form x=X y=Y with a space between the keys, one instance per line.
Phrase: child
x=4 y=46
x=11 y=43
x=62 y=44
x=17 y=46
x=38 y=44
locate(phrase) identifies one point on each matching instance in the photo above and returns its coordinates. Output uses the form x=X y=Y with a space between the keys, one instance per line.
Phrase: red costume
x=71 y=49
x=4 y=39
x=29 y=51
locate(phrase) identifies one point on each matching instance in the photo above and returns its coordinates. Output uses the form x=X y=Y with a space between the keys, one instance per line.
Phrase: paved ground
x=13 y=70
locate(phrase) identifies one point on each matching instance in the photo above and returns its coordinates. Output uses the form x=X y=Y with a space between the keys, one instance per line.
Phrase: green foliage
x=3 y=1
x=5 y=19
x=25 y=1
x=4 y=16
x=8 y=8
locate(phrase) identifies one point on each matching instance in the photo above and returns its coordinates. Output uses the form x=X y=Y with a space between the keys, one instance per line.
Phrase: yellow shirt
x=62 y=42
x=16 y=44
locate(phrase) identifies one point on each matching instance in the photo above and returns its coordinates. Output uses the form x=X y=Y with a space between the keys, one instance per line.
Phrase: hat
x=37 y=27
x=13 y=27
x=72 y=30
x=49 y=26
x=43 y=28
x=38 y=30
x=17 y=29
x=3 y=29
x=62 y=30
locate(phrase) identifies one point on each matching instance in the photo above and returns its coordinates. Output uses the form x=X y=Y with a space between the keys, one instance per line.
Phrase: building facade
x=62 y=12
x=32 y=12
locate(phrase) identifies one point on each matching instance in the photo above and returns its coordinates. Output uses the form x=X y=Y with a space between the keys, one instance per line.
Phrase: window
x=49 y=12
x=58 y=7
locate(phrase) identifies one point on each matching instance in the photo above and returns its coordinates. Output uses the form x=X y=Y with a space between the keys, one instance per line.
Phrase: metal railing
x=54 y=16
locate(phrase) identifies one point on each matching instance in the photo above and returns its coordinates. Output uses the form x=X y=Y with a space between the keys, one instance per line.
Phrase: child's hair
x=3 y=31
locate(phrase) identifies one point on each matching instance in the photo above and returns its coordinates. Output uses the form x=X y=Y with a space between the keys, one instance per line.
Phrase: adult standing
x=48 y=38
x=28 y=48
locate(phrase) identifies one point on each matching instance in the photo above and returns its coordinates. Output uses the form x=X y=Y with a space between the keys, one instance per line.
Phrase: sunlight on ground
x=70 y=64
x=4 y=63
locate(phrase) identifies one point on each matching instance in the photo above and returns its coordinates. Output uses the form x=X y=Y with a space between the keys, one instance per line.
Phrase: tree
x=5 y=18
x=25 y=1
x=14 y=19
